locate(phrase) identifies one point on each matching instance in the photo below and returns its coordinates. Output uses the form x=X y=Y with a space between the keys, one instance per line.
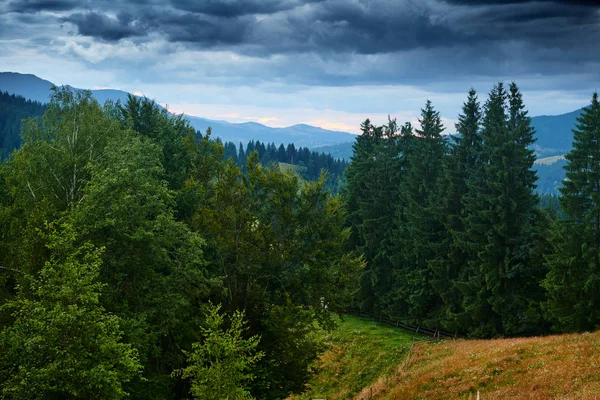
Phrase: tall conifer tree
x=449 y=269
x=500 y=215
x=573 y=280
x=420 y=231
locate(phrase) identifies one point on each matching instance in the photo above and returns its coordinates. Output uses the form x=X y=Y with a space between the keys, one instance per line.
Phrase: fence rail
x=417 y=329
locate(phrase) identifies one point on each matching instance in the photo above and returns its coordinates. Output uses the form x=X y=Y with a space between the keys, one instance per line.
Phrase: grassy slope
x=291 y=167
x=561 y=366
x=549 y=160
x=367 y=360
x=359 y=352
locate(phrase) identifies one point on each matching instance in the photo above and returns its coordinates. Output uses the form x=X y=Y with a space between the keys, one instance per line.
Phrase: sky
x=329 y=63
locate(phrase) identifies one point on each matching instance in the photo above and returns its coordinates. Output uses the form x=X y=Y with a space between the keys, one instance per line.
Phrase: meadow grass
x=359 y=352
x=551 y=367
x=366 y=360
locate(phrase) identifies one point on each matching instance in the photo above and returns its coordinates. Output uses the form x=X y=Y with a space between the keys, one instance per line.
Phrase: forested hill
x=554 y=133
x=310 y=164
x=13 y=109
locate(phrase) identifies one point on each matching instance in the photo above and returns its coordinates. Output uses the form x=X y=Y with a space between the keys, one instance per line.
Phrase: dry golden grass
x=552 y=367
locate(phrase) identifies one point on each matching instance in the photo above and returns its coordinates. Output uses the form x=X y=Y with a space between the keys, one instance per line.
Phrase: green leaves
x=60 y=342
x=220 y=367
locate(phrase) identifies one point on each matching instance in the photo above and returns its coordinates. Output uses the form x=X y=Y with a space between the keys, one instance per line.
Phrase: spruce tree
x=379 y=209
x=500 y=216
x=420 y=231
x=449 y=269
x=358 y=198
x=573 y=280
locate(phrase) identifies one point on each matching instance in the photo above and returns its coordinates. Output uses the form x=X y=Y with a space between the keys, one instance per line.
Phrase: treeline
x=121 y=231
x=12 y=110
x=311 y=163
x=453 y=234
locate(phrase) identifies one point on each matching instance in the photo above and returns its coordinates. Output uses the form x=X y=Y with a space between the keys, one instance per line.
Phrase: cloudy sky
x=329 y=63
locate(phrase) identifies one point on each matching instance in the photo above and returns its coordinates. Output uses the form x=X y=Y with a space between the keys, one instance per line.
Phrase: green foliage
x=155 y=270
x=503 y=285
x=574 y=266
x=450 y=267
x=150 y=120
x=309 y=164
x=452 y=235
x=14 y=109
x=371 y=199
x=220 y=367
x=81 y=166
x=358 y=353
x=178 y=226
x=278 y=247
x=58 y=342
x=46 y=177
x=420 y=230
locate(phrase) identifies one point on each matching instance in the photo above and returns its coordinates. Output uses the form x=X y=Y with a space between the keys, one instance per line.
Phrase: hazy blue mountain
x=34 y=88
x=301 y=135
x=554 y=136
x=554 y=133
x=29 y=86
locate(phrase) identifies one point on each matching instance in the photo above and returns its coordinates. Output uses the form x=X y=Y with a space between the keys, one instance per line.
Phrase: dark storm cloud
x=593 y=3
x=234 y=8
x=353 y=41
x=547 y=25
x=270 y=27
x=31 y=6
x=104 y=27
x=201 y=29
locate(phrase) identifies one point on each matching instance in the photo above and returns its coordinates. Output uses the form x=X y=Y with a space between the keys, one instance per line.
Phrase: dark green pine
x=573 y=280
x=420 y=231
x=449 y=268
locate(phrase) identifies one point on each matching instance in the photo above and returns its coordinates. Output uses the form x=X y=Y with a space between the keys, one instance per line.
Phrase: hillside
x=358 y=352
x=559 y=366
x=13 y=109
x=550 y=174
x=553 y=132
x=34 y=88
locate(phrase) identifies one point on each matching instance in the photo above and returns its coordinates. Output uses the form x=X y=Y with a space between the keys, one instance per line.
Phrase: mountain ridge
x=553 y=132
x=35 y=88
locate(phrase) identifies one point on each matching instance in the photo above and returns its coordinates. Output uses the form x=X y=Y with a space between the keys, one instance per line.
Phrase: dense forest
x=13 y=109
x=453 y=234
x=311 y=163
x=141 y=258
x=136 y=259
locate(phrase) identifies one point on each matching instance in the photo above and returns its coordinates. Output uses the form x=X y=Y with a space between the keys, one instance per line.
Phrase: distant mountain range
x=554 y=136
x=554 y=133
x=34 y=88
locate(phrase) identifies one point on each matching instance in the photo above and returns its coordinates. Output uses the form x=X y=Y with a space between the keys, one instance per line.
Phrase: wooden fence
x=437 y=334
